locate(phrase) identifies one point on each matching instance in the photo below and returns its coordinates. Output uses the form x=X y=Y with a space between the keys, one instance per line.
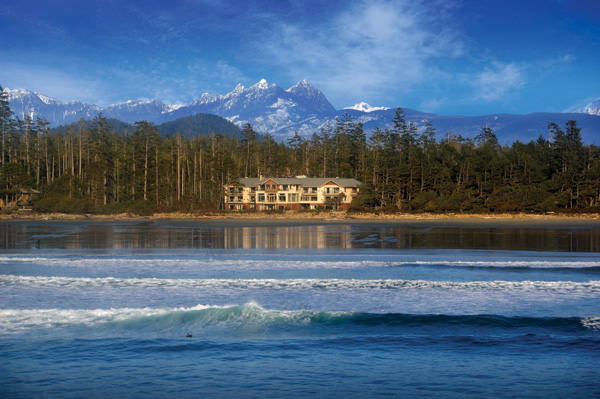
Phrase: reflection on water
x=155 y=235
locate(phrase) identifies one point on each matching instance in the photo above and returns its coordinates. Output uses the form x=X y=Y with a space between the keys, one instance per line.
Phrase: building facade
x=19 y=198
x=291 y=193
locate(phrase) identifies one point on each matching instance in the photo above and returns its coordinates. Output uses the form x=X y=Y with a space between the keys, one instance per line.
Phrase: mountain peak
x=262 y=84
x=17 y=92
x=364 y=107
x=311 y=96
x=592 y=108
x=302 y=85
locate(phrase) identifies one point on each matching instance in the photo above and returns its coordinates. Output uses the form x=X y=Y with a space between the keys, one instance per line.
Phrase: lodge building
x=20 y=198
x=291 y=193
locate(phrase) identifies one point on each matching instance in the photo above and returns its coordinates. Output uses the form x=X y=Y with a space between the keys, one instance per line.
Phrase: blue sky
x=469 y=57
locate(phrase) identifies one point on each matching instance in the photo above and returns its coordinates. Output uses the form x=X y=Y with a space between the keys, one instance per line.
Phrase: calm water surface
x=102 y=309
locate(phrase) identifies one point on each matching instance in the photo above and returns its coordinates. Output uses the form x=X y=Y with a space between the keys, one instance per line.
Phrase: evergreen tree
x=486 y=137
x=248 y=143
x=6 y=123
x=89 y=166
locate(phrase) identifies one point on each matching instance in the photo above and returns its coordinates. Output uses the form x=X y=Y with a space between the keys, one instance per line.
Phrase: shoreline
x=289 y=219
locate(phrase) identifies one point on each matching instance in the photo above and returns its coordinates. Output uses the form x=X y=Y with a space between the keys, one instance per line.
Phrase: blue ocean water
x=103 y=310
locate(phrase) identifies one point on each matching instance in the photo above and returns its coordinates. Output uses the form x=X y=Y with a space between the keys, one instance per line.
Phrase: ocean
x=304 y=310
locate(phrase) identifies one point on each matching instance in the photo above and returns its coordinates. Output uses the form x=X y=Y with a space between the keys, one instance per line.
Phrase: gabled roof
x=303 y=181
x=28 y=190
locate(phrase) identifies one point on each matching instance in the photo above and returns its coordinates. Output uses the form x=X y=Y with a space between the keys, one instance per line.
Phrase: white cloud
x=498 y=80
x=50 y=82
x=371 y=48
x=434 y=104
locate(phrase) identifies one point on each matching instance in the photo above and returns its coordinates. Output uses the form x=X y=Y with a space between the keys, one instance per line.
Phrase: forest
x=92 y=168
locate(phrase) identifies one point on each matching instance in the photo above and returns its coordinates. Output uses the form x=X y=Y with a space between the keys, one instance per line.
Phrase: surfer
x=188 y=336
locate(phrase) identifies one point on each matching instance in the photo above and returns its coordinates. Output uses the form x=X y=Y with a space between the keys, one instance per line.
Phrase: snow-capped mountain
x=268 y=108
x=303 y=109
x=24 y=102
x=364 y=107
x=592 y=108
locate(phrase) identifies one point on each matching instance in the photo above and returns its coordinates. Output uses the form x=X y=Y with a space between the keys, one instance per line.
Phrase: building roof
x=303 y=181
x=28 y=190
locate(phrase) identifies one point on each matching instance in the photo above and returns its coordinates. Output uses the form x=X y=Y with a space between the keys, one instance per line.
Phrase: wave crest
x=590 y=287
x=251 y=317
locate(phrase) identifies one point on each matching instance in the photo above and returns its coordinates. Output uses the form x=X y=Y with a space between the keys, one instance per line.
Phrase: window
x=261 y=198
x=284 y=187
x=314 y=199
x=281 y=197
x=336 y=190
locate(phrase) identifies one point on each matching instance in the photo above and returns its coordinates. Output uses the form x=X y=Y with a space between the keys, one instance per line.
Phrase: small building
x=291 y=193
x=20 y=198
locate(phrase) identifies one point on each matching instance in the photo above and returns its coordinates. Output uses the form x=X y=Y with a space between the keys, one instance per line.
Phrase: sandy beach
x=300 y=219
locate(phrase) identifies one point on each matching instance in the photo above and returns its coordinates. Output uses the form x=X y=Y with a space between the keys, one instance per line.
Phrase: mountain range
x=302 y=108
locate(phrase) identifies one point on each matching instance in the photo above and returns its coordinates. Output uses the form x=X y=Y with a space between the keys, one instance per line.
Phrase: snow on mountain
x=267 y=107
x=364 y=107
x=592 y=108
x=311 y=97
x=137 y=110
x=302 y=108
x=24 y=102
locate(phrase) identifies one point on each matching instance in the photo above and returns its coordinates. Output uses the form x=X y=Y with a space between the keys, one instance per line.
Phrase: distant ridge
x=301 y=109
x=199 y=125
x=189 y=126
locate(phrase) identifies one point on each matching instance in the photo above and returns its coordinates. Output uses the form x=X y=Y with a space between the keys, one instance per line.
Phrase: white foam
x=13 y=321
x=590 y=287
x=592 y=323
x=517 y=264
x=285 y=262
x=16 y=320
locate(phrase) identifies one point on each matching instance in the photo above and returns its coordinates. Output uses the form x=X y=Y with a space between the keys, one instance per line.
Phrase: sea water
x=103 y=310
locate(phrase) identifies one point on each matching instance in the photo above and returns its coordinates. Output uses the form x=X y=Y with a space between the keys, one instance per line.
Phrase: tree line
x=88 y=168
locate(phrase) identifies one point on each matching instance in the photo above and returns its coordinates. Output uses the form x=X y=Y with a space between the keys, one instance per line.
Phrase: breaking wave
x=252 y=317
